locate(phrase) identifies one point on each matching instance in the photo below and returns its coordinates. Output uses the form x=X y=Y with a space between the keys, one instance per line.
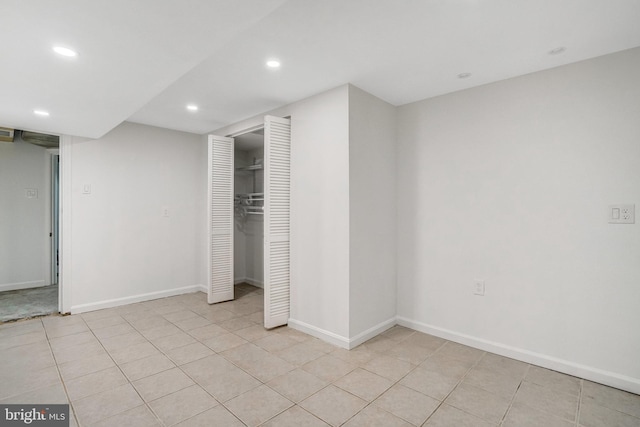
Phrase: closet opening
x=248 y=232
x=249 y=215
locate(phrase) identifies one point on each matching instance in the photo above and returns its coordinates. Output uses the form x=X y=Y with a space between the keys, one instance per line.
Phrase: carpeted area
x=31 y=302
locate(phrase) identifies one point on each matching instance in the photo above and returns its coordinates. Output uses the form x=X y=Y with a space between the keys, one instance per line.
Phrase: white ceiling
x=144 y=60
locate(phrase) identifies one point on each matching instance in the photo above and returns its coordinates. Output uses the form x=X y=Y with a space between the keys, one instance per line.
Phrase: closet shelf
x=249 y=204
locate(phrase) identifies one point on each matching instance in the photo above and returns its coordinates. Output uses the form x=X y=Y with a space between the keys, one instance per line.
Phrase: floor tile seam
x=279 y=413
x=513 y=398
x=444 y=400
x=202 y=386
x=574 y=421
x=397 y=382
x=618 y=411
x=45 y=338
x=223 y=404
x=579 y=408
x=2 y=327
x=553 y=390
x=148 y=405
x=64 y=385
x=122 y=373
x=346 y=391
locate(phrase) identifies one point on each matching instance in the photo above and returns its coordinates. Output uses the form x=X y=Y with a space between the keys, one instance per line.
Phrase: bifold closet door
x=277 y=162
x=220 y=274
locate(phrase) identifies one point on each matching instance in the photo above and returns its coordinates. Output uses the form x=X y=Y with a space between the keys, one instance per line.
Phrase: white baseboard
x=22 y=285
x=99 y=305
x=371 y=332
x=612 y=379
x=327 y=336
x=339 y=340
x=250 y=281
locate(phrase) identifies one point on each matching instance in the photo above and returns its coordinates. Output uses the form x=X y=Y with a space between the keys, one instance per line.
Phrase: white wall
x=372 y=214
x=510 y=183
x=319 y=211
x=123 y=249
x=24 y=230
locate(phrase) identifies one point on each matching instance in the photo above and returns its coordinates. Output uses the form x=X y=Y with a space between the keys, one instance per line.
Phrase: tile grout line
x=513 y=398
x=55 y=361
x=145 y=403
x=579 y=408
x=484 y=353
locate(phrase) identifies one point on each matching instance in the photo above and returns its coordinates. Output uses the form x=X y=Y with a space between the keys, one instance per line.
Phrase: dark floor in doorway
x=28 y=302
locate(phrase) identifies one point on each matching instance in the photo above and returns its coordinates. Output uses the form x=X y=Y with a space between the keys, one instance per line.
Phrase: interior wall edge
x=590 y=373
x=372 y=332
x=324 y=335
x=99 y=305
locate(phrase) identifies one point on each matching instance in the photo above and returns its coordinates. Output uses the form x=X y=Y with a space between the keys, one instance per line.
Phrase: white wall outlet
x=31 y=193
x=622 y=214
x=165 y=212
x=478 y=288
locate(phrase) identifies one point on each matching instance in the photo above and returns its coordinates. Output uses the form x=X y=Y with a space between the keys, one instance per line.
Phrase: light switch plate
x=622 y=214
x=478 y=288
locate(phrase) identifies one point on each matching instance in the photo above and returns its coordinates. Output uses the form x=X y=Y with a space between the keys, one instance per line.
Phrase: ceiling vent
x=6 y=134
x=41 y=139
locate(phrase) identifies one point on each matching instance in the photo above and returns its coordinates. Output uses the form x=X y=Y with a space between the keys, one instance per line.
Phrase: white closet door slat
x=220 y=280
x=277 y=162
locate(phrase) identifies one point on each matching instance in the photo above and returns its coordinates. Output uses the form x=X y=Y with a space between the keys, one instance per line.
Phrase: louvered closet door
x=277 y=155
x=220 y=219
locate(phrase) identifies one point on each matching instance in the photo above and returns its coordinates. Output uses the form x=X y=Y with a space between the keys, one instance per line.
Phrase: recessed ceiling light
x=464 y=75
x=40 y=112
x=557 y=51
x=273 y=63
x=65 y=51
x=192 y=107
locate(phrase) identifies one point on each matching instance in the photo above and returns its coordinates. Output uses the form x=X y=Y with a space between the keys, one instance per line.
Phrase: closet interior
x=248 y=236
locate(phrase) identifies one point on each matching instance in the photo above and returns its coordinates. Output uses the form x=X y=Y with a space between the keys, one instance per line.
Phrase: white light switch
x=31 y=193
x=479 y=288
x=622 y=214
x=86 y=189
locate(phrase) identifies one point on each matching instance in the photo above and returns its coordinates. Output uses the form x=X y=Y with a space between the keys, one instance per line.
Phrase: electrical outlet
x=622 y=214
x=479 y=288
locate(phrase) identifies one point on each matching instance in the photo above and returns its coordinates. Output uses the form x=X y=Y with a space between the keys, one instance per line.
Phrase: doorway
x=273 y=206
x=29 y=208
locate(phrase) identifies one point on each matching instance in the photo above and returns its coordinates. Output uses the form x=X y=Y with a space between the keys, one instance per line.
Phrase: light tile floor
x=180 y=361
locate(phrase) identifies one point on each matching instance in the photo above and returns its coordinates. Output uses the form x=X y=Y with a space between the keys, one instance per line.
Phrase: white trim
x=247 y=130
x=327 y=336
x=612 y=379
x=116 y=302
x=65 y=282
x=22 y=285
x=339 y=340
x=372 y=332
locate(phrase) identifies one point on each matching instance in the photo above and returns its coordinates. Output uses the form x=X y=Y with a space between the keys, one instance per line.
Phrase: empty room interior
x=303 y=213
